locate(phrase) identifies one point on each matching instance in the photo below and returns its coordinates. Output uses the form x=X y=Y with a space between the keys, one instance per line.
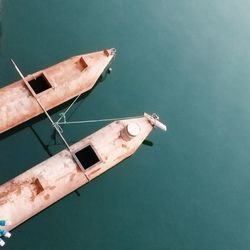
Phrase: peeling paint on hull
x=46 y=183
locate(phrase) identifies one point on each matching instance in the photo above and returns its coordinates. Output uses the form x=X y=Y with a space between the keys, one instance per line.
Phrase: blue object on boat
x=2 y=222
x=3 y=232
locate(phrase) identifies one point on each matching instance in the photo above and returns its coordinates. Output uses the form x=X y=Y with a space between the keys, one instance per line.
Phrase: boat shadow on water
x=148 y=143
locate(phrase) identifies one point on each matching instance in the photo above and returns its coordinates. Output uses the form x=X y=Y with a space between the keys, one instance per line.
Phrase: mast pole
x=55 y=125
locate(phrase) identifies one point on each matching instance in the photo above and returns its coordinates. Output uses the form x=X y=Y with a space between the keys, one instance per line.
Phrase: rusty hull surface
x=68 y=79
x=49 y=181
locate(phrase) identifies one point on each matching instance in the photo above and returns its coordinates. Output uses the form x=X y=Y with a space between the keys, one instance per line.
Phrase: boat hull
x=46 y=183
x=52 y=87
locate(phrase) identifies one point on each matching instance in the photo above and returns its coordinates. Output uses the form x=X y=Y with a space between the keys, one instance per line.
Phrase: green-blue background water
x=186 y=60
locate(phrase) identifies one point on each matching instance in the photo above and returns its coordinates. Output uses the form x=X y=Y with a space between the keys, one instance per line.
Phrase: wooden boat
x=44 y=184
x=52 y=87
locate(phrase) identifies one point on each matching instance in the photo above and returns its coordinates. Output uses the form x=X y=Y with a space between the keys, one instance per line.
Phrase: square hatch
x=87 y=157
x=40 y=84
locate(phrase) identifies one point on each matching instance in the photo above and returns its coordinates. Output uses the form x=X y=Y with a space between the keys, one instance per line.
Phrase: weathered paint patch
x=72 y=176
x=38 y=186
x=94 y=171
x=52 y=187
x=46 y=197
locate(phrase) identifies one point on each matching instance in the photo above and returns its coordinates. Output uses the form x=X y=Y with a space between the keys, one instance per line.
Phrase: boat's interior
x=40 y=84
x=87 y=157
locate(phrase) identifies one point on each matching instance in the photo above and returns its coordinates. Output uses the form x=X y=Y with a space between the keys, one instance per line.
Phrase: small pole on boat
x=55 y=125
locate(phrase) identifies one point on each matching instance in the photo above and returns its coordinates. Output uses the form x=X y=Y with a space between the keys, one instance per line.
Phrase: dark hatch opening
x=40 y=84
x=87 y=157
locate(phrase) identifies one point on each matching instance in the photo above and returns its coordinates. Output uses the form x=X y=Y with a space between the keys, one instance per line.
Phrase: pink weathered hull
x=49 y=181
x=66 y=80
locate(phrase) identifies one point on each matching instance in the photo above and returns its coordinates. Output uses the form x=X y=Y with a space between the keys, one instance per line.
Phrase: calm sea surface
x=188 y=61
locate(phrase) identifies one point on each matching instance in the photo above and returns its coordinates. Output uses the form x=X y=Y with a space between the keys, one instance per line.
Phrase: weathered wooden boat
x=52 y=87
x=44 y=184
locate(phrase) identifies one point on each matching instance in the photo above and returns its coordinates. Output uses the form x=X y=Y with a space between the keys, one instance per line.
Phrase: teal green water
x=188 y=61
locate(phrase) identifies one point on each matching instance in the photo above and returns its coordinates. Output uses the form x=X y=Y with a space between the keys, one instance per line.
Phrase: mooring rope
x=65 y=122
x=63 y=115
